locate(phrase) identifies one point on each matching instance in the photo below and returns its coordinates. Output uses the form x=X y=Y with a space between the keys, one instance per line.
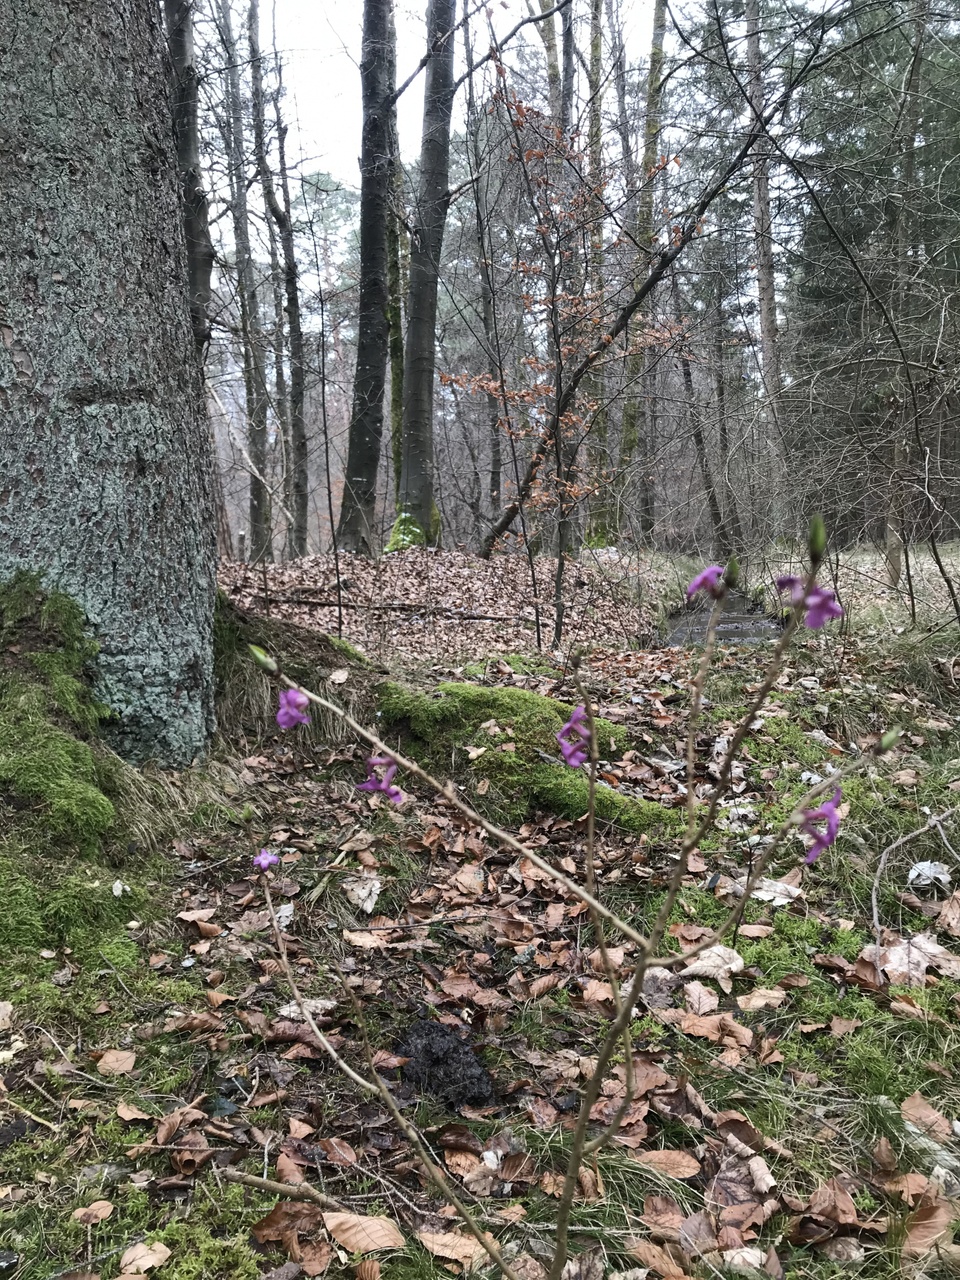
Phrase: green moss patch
x=503 y=742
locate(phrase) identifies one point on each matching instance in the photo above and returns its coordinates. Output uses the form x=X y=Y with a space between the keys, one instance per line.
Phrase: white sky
x=320 y=44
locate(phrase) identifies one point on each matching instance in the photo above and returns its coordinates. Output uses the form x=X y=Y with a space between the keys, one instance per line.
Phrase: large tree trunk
x=104 y=465
x=416 y=511
x=356 y=529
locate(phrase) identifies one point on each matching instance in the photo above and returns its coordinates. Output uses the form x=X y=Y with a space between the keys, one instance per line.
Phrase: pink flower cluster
x=574 y=739
x=822 y=825
x=292 y=710
x=818 y=604
x=384 y=783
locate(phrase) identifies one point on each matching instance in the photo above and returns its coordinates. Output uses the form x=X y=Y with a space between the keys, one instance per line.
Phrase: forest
x=479 y=639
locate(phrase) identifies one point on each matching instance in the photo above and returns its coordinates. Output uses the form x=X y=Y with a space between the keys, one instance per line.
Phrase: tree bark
x=104 y=458
x=417 y=518
x=357 y=512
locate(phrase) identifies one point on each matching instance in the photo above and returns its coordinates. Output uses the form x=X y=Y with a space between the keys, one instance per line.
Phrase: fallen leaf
x=654 y=1256
x=99 y=1211
x=717 y=962
x=674 y=1164
x=144 y=1256
x=700 y=999
x=927 y=1226
x=337 y=1151
x=117 y=1062
x=288 y=1170
x=360 y=1234
x=127 y=1111
x=451 y=1244
x=918 y=1111
x=6 y=1014
x=762 y=998
x=843 y=1026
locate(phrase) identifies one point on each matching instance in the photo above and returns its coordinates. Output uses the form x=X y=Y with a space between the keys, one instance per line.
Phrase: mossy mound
x=59 y=788
x=503 y=741
x=247 y=697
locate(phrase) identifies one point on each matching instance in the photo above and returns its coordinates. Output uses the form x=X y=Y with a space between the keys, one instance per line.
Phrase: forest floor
x=796 y=1112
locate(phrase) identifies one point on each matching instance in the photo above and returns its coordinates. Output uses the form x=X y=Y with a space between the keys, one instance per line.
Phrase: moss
x=522 y=664
x=406 y=533
x=510 y=733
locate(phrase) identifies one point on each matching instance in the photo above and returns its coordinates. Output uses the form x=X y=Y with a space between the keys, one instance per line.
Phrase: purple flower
x=710 y=580
x=821 y=607
x=574 y=739
x=265 y=859
x=819 y=603
x=375 y=782
x=810 y=826
x=293 y=705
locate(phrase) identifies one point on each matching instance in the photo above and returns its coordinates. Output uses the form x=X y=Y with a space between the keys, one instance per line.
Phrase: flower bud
x=889 y=740
x=263 y=659
x=731 y=574
x=817 y=540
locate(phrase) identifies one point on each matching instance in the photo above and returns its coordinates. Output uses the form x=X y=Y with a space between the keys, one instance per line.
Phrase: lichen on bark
x=104 y=471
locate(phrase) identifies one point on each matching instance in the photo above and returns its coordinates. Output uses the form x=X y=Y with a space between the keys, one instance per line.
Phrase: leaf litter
x=416 y=918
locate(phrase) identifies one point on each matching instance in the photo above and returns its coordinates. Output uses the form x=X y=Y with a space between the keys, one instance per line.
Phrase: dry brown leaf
x=361 y=1234
x=949 y=918
x=176 y=1119
x=718 y=963
x=195 y=917
x=654 y=1256
x=663 y=1216
x=144 y=1257
x=99 y=1211
x=843 y=1026
x=128 y=1112
x=700 y=999
x=550 y=981
x=216 y=998
x=551 y=1184
x=591 y=1184
x=918 y=1111
x=674 y=1164
x=927 y=1226
x=368 y=1269
x=451 y=1244
x=288 y=1170
x=192 y=1152
x=117 y=1062
x=762 y=998
x=337 y=1151
x=315 y=1256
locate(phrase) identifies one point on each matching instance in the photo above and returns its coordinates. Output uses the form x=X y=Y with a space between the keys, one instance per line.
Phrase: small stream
x=742 y=622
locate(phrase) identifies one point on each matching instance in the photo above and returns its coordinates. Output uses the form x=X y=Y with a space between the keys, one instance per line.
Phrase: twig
x=289 y=1191
x=6 y=1100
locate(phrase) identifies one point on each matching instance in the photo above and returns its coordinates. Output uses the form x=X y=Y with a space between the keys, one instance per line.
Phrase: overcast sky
x=320 y=43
